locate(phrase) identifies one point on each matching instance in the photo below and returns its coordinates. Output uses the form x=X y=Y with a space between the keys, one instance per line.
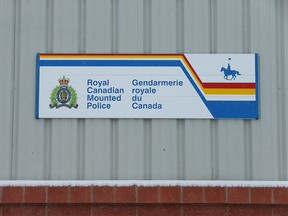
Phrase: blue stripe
x=117 y=63
x=193 y=84
x=37 y=85
x=233 y=109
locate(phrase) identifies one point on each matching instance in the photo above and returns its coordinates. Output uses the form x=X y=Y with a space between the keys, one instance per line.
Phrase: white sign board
x=147 y=86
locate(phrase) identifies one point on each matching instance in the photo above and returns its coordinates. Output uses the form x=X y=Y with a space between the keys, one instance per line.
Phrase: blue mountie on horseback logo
x=228 y=72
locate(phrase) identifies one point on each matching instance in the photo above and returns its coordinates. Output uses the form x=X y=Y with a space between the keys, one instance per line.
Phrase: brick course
x=140 y=200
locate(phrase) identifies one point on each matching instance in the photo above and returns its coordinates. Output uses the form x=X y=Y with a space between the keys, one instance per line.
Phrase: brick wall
x=140 y=200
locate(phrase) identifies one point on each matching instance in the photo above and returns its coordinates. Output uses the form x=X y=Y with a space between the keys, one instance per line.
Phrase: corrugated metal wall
x=142 y=149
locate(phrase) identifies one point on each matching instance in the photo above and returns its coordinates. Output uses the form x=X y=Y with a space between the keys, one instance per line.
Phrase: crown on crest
x=63 y=81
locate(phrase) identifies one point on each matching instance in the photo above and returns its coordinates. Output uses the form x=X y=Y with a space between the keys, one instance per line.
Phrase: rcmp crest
x=63 y=95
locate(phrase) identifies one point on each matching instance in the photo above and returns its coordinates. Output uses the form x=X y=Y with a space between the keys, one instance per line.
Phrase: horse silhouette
x=227 y=73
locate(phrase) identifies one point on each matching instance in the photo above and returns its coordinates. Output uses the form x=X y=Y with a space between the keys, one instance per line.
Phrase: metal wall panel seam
x=279 y=12
x=81 y=122
x=6 y=86
x=16 y=56
x=284 y=48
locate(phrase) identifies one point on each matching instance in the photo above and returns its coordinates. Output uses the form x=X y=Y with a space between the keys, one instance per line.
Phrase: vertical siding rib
x=7 y=88
x=284 y=69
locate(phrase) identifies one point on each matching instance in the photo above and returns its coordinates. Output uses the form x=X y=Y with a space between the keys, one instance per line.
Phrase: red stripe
x=105 y=54
x=230 y=85
x=186 y=60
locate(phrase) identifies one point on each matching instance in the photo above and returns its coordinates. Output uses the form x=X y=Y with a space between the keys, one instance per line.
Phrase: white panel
x=29 y=145
x=98 y=19
x=284 y=69
x=163 y=26
x=130 y=26
x=164 y=149
x=6 y=86
x=98 y=149
x=198 y=149
x=66 y=26
x=130 y=149
x=229 y=26
x=65 y=133
x=265 y=136
x=196 y=26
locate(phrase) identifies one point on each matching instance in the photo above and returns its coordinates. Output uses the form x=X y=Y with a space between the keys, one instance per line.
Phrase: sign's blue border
x=37 y=84
x=257 y=83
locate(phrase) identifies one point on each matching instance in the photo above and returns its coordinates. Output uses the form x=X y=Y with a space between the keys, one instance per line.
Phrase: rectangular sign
x=147 y=86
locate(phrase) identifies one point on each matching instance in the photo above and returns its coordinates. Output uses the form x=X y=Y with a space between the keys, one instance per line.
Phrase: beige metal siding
x=136 y=148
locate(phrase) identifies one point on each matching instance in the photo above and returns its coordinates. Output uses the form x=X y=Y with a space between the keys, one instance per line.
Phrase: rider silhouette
x=229 y=67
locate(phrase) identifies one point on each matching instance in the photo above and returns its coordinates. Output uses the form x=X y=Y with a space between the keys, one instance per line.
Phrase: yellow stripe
x=106 y=56
x=230 y=91
x=192 y=73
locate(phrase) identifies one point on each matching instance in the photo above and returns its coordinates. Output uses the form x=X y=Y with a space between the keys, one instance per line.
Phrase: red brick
x=35 y=195
x=125 y=194
x=58 y=194
x=151 y=210
x=238 y=195
x=74 y=210
x=239 y=210
x=147 y=194
x=215 y=195
x=207 y=210
x=17 y=210
x=103 y=194
x=170 y=210
x=280 y=210
x=280 y=195
x=114 y=210
x=251 y=210
x=155 y=210
x=261 y=210
x=192 y=195
x=12 y=195
x=261 y=195
x=33 y=210
x=0 y=196
x=169 y=194
x=103 y=210
x=12 y=210
x=81 y=194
